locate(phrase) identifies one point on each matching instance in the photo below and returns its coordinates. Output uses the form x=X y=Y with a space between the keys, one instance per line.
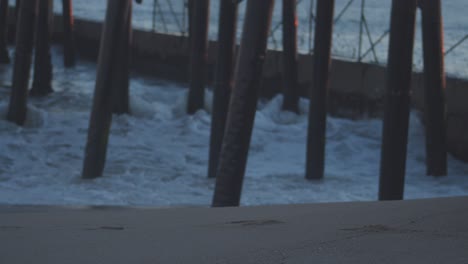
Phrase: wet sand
x=413 y=231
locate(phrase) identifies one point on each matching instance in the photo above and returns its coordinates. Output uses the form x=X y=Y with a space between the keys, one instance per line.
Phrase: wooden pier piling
x=15 y=25
x=198 y=54
x=42 y=79
x=101 y=113
x=121 y=75
x=315 y=162
x=290 y=77
x=189 y=6
x=434 y=83
x=224 y=79
x=4 y=55
x=69 y=56
x=17 y=109
x=17 y=7
x=397 y=100
x=243 y=103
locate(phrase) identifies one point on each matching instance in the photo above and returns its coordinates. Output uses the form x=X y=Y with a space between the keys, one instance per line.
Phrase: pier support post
x=42 y=79
x=198 y=54
x=243 y=103
x=434 y=84
x=4 y=56
x=224 y=79
x=397 y=100
x=315 y=162
x=121 y=75
x=17 y=7
x=69 y=58
x=189 y=5
x=101 y=113
x=17 y=108
x=15 y=25
x=290 y=82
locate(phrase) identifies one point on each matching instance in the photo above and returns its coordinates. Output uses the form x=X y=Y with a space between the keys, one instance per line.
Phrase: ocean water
x=158 y=155
x=170 y=18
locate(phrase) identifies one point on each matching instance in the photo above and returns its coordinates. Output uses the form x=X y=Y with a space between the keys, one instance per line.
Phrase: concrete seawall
x=356 y=88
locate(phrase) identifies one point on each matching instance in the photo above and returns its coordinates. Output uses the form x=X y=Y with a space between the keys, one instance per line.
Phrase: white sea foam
x=35 y=117
x=158 y=156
